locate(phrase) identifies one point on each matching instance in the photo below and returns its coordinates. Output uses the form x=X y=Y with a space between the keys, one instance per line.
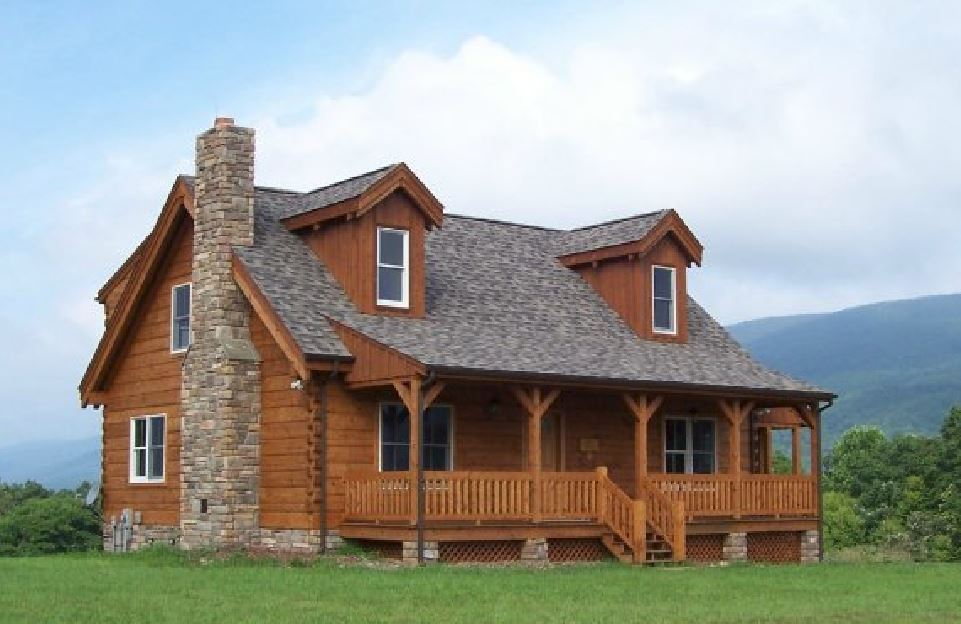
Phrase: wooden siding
x=289 y=499
x=625 y=284
x=374 y=362
x=146 y=380
x=349 y=250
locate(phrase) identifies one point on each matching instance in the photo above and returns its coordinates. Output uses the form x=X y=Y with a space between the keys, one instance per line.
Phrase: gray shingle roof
x=485 y=314
x=611 y=233
x=334 y=193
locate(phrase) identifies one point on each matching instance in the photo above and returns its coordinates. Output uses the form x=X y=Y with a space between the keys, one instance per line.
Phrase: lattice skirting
x=488 y=551
x=774 y=547
x=564 y=550
x=705 y=548
x=385 y=550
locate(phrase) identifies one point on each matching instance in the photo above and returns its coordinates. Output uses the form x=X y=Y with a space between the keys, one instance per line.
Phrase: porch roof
x=497 y=300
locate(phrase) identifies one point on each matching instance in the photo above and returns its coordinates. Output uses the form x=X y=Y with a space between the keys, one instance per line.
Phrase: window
x=392 y=267
x=665 y=293
x=180 y=318
x=147 y=449
x=689 y=445
x=395 y=438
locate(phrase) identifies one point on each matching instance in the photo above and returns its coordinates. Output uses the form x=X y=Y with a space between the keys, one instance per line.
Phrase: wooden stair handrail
x=667 y=518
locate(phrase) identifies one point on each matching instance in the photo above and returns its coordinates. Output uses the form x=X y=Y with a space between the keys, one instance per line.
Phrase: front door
x=551 y=441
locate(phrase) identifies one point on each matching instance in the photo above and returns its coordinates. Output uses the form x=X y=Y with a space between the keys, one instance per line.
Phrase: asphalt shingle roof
x=497 y=301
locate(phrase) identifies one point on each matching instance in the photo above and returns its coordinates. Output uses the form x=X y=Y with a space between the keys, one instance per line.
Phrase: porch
x=471 y=505
x=550 y=482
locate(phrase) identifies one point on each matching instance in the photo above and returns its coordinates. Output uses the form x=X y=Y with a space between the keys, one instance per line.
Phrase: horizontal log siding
x=146 y=380
x=288 y=499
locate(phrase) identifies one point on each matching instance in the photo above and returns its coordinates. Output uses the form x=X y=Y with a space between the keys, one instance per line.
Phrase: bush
x=843 y=526
x=59 y=523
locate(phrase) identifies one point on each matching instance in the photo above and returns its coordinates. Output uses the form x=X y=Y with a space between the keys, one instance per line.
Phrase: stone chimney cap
x=223 y=122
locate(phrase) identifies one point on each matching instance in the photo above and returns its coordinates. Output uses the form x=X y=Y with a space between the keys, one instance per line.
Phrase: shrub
x=59 y=523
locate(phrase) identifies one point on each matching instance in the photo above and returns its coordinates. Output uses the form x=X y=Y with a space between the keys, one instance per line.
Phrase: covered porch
x=639 y=471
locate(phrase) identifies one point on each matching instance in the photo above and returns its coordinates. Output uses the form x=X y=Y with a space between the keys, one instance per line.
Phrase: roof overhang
x=671 y=224
x=399 y=178
x=770 y=397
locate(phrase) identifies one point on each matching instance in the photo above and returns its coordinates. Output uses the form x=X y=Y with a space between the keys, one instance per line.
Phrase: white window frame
x=173 y=315
x=673 y=329
x=380 y=433
x=688 y=443
x=405 y=276
x=150 y=443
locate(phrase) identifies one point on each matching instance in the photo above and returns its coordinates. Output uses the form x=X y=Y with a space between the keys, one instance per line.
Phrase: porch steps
x=658 y=551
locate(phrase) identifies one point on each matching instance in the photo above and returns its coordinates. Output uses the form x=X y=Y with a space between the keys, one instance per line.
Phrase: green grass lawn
x=163 y=587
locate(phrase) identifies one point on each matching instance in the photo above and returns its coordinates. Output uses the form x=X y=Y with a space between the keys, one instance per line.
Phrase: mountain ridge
x=894 y=364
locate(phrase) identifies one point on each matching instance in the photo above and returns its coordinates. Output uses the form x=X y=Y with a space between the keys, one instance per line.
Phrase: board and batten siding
x=625 y=284
x=146 y=380
x=349 y=250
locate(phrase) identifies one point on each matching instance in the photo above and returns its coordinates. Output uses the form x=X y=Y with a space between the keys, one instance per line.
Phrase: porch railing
x=747 y=495
x=371 y=496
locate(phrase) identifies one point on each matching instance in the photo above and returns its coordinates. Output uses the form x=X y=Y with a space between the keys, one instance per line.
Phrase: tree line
x=902 y=491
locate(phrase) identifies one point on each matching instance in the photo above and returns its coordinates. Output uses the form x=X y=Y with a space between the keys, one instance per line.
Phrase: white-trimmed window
x=436 y=439
x=690 y=445
x=393 y=267
x=664 y=299
x=180 y=318
x=147 y=446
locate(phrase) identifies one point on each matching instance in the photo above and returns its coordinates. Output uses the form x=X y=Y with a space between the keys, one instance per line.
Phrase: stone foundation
x=810 y=547
x=142 y=536
x=307 y=542
x=535 y=549
x=735 y=547
x=431 y=552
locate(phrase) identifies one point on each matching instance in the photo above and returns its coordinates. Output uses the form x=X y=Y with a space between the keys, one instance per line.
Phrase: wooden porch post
x=642 y=408
x=735 y=411
x=536 y=404
x=795 y=450
x=409 y=393
x=809 y=414
x=416 y=400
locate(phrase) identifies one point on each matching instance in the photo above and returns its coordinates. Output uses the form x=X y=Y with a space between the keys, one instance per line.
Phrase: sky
x=813 y=147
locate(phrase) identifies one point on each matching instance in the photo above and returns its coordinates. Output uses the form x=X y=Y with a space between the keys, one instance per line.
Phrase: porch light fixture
x=493 y=407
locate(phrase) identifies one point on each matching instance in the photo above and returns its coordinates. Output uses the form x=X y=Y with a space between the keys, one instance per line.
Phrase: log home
x=283 y=370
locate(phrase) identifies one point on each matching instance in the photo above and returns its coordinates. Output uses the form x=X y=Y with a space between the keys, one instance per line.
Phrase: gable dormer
x=370 y=232
x=639 y=267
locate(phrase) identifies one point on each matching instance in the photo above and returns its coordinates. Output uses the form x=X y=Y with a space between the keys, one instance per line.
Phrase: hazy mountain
x=54 y=463
x=895 y=364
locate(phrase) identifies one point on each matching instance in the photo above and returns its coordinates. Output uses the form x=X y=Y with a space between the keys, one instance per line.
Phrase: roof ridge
x=502 y=222
x=354 y=177
x=619 y=220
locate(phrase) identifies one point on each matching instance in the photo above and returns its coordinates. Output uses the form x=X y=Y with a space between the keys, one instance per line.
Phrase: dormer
x=639 y=267
x=370 y=232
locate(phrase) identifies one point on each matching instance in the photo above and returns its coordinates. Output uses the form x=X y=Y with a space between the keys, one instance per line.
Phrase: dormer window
x=393 y=267
x=664 y=291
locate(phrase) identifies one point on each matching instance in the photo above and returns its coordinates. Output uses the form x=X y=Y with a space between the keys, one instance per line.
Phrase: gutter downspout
x=830 y=404
x=421 y=485
x=325 y=467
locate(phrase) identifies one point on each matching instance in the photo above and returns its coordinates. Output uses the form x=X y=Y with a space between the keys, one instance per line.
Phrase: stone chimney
x=220 y=398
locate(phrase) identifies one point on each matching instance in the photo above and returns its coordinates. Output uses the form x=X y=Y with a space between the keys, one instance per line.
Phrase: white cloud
x=779 y=136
